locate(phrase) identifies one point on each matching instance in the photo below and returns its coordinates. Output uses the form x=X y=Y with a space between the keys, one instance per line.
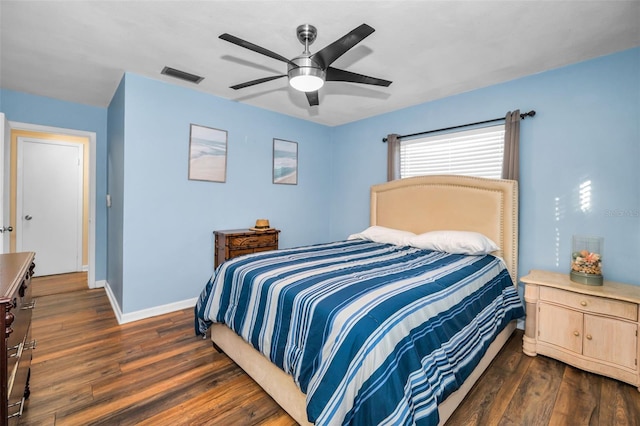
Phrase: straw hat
x=261 y=225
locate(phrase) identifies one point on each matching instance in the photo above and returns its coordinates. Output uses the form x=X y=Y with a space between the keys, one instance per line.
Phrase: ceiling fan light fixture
x=306 y=79
x=308 y=71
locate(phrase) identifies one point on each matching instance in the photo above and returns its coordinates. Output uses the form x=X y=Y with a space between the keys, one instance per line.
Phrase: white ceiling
x=78 y=50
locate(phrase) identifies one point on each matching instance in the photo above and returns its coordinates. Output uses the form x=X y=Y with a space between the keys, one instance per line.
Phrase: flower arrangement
x=586 y=262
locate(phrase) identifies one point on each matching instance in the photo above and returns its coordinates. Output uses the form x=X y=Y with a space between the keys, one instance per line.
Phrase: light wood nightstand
x=231 y=243
x=594 y=328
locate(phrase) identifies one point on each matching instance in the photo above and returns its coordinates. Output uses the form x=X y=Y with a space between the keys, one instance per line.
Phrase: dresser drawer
x=588 y=303
x=258 y=240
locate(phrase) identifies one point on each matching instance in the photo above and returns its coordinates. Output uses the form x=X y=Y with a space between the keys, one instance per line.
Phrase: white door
x=5 y=144
x=49 y=204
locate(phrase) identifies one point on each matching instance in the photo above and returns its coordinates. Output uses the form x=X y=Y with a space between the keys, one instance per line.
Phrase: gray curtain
x=393 y=157
x=511 y=159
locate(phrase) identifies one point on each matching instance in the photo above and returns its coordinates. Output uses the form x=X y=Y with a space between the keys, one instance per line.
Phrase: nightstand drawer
x=594 y=304
x=253 y=240
x=240 y=252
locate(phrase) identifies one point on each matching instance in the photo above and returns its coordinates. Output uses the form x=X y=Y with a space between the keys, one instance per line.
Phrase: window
x=477 y=152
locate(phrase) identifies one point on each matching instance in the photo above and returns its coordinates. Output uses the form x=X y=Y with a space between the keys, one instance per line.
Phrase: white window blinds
x=476 y=152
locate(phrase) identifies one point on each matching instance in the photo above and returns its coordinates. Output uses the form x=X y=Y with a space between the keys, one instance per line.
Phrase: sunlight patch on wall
x=557 y=217
x=584 y=194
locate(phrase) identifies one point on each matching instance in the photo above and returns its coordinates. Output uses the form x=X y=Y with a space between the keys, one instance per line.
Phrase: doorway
x=88 y=140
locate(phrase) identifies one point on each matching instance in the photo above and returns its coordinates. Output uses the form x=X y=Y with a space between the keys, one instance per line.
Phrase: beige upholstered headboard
x=449 y=202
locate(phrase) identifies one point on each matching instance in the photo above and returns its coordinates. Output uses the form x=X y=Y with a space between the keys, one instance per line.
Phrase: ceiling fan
x=308 y=71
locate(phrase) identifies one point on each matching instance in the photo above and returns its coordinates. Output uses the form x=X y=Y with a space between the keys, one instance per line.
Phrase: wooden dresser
x=16 y=270
x=231 y=243
x=594 y=328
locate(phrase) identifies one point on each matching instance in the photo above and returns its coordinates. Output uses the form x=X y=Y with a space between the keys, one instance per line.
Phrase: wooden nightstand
x=594 y=328
x=231 y=243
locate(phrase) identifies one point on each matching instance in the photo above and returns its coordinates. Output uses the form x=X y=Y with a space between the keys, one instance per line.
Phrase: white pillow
x=457 y=242
x=380 y=234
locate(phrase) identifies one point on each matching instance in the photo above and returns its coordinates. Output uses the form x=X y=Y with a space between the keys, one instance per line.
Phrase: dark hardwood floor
x=88 y=370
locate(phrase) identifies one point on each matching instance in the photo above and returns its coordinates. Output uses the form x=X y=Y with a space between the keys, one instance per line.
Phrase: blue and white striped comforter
x=372 y=333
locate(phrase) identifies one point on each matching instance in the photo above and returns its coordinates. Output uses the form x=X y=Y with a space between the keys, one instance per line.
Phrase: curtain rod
x=522 y=116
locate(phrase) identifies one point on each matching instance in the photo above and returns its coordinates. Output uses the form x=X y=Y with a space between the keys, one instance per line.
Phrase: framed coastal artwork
x=285 y=162
x=207 y=154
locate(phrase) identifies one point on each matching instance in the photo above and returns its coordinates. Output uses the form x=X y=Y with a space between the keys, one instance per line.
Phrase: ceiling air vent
x=182 y=75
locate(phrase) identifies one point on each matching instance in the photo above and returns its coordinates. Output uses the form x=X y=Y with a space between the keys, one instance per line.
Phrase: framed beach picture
x=285 y=162
x=207 y=154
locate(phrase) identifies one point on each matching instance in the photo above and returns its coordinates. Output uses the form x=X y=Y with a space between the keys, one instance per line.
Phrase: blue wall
x=586 y=131
x=160 y=226
x=115 y=182
x=25 y=108
x=168 y=220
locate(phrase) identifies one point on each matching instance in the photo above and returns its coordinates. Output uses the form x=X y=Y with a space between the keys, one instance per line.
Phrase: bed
x=416 y=205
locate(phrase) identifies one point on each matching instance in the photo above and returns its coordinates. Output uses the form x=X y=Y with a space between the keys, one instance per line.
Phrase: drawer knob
x=575 y=333
x=8 y=319
x=589 y=337
x=583 y=303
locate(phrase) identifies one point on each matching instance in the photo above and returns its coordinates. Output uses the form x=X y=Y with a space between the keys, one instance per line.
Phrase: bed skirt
x=287 y=395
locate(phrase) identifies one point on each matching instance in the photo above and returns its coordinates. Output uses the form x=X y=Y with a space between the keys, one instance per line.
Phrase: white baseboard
x=144 y=313
x=113 y=301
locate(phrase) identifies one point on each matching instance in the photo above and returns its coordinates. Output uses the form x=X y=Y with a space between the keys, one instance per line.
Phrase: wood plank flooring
x=88 y=370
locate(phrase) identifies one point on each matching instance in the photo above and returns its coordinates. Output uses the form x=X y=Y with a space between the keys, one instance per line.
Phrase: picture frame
x=207 y=154
x=285 y=162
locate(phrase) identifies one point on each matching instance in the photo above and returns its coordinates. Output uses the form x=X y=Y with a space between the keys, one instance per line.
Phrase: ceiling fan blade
x=312 y=97
x=248 y=45
x=335 y=74
x=330 y=53
x=258 y=81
